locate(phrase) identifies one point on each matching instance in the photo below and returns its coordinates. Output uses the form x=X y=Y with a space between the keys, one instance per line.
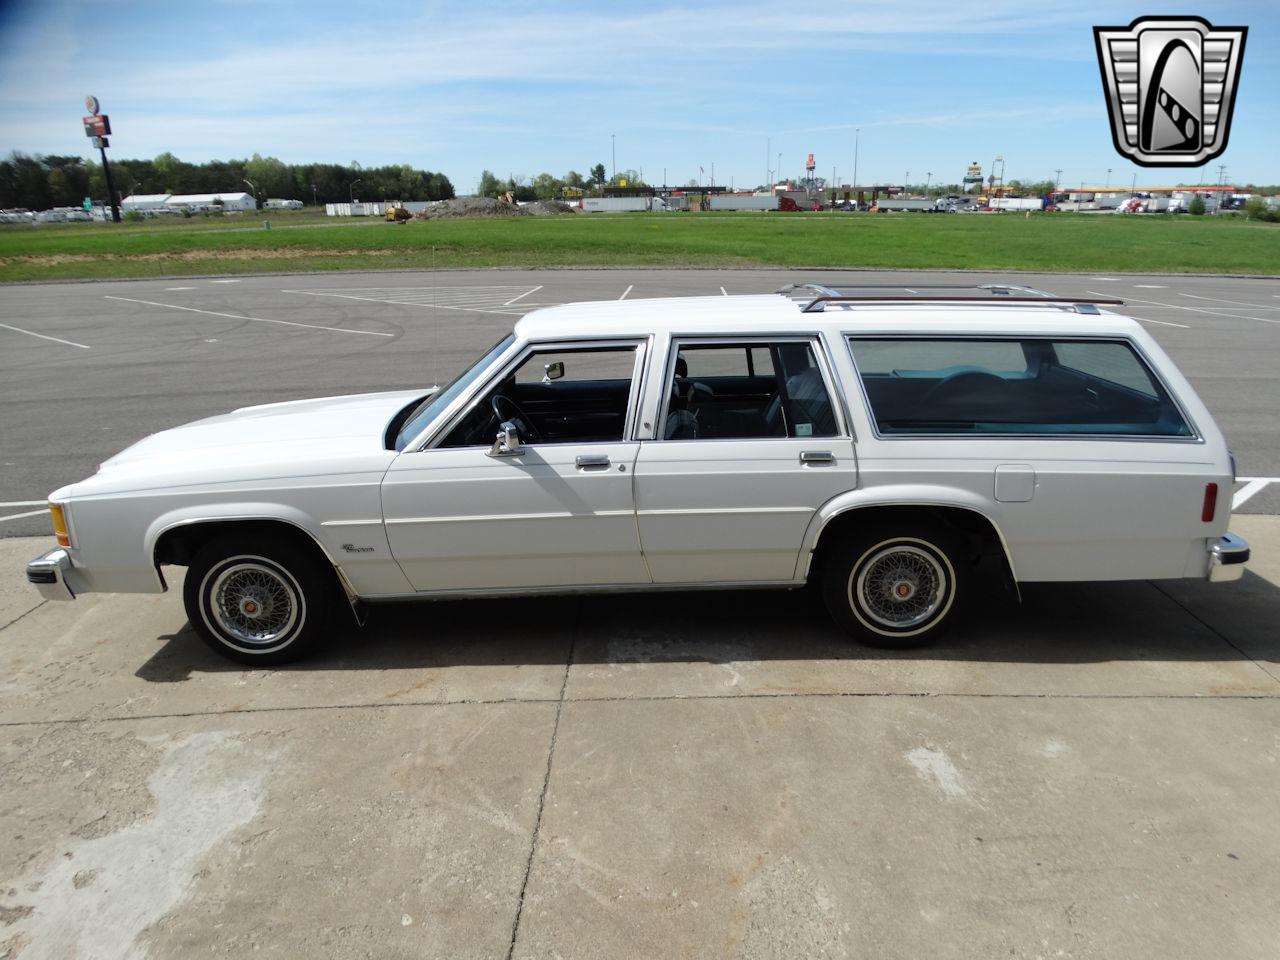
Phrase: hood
x=271 y=433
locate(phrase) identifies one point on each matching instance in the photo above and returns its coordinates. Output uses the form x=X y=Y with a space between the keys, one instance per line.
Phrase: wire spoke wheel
x=901 y=586
x=253 y=602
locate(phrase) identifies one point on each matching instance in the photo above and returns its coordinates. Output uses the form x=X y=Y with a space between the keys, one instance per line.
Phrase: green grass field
x=298 y=242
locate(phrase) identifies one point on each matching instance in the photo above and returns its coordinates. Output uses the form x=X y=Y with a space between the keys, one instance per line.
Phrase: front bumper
x=48 y=572
x=1227 y=558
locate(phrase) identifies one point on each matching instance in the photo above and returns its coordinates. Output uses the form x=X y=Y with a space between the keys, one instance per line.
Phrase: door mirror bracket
x=507 y=442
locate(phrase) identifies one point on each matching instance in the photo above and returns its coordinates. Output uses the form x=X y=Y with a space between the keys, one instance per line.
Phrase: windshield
x=433 y=404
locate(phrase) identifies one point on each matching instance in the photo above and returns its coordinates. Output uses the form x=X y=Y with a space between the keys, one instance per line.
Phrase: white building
x=227 y=202
x=142 y=202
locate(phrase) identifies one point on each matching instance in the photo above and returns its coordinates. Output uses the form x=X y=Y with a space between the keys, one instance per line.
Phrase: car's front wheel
x=257 y=602
x=895 y=585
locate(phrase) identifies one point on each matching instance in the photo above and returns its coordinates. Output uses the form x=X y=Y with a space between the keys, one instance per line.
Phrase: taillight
x=1210 y=502
x=59 y=516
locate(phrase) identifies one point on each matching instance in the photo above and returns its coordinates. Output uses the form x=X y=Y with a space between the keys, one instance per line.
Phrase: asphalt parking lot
x=1090 y=773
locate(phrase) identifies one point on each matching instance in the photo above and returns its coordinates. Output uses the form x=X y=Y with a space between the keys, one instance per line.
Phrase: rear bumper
x=1227 y=558
x=48 y=573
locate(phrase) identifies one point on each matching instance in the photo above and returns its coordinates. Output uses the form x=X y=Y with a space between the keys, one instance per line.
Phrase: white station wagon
x=879 y=443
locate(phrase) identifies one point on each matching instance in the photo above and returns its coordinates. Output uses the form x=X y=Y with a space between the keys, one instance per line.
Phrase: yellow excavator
x=398 y=215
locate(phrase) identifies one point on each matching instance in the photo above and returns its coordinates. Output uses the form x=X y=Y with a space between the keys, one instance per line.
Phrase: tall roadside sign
x=97 y=126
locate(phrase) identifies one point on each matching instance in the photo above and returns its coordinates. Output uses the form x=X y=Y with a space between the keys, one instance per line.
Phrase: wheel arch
x=958 y=509
x=176 y=537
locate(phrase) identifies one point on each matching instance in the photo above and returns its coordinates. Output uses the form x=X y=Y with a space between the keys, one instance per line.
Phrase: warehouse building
x=196 y=202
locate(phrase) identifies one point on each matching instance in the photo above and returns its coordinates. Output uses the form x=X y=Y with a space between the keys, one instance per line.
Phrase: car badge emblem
x=1170 y=84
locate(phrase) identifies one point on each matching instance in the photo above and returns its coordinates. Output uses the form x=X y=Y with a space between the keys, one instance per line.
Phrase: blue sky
x=523 y=88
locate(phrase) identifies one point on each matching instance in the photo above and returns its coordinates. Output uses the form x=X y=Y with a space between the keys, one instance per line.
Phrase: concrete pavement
x=710 y=775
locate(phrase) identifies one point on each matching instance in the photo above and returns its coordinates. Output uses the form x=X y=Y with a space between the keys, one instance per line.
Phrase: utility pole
x=1108 y=176
x=1057 y=179
x=928 y=178
x=613 y=153
x=857 y=135
x=779 y=170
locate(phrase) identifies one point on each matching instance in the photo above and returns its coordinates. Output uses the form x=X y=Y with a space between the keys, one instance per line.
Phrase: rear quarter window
x=1009 y=385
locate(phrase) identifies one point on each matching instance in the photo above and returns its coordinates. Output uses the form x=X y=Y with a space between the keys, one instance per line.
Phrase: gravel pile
x=547 y=208
x=488 y=207
x=472 y=207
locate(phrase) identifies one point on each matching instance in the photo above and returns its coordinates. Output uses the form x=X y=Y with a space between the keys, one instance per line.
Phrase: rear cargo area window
x=984 y=386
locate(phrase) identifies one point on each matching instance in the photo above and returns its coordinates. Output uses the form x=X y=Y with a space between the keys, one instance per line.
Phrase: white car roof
x=773 y=314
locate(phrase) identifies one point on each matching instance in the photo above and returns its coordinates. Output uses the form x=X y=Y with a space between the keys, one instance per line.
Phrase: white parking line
x=1212 y=313
x=724 y=291
x=1149 y=286
x=626 y=291
x=232 y=316
x=1175 y=306
x=224 y=281
x=174 y=289
x=23 y=503
x=32 y=333
x=19 y=516
x=517 y=312
x=523 y=295
x=1251 y=486
x=1112 y=279
x=1242 y=303
x=1163 y=323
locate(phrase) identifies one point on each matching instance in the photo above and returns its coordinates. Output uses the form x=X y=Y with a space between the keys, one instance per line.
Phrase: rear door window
x=726 y=391
x=1005 y=385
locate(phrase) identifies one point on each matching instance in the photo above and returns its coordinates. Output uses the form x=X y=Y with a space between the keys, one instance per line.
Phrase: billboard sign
x=97 y=125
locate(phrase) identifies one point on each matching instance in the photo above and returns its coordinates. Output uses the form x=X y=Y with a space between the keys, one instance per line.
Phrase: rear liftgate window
x=1013 y=386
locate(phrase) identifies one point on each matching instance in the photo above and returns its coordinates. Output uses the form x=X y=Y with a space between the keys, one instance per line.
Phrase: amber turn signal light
x=59 y=517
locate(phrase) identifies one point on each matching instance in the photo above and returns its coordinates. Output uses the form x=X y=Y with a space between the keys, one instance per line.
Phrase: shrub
x=133 y=216
x=1196 y=207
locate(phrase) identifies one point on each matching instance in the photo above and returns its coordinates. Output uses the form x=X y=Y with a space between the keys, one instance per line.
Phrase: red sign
x=97 y=126
x=810 y=164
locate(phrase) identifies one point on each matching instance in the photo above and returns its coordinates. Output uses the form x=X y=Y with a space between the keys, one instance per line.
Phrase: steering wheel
x=965 y=381
x=515 y=413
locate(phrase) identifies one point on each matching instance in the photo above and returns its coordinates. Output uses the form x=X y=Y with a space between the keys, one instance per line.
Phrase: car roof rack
x=816 y=296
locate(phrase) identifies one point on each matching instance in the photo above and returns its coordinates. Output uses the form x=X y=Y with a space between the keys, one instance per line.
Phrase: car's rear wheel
x=257 y=602
x=895 y=585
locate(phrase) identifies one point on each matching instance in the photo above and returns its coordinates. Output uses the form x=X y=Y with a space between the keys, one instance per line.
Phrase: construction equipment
x=398 y=215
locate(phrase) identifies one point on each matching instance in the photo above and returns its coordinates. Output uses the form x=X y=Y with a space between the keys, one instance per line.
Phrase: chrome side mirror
x=507 y=442
x=553 y=371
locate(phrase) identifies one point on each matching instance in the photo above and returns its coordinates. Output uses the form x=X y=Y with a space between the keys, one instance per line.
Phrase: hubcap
x=253 y=602
x=901 y=586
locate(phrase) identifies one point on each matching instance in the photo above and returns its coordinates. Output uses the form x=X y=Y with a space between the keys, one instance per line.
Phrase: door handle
x=595 y=462
x=817 y=456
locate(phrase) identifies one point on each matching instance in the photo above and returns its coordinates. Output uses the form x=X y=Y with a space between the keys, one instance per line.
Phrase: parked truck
x=622 y=204
x=904 y=205
x=744 y=201
x=1017 y=203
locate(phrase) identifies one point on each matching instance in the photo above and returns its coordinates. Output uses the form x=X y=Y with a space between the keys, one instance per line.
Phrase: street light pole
x=314 y=201
x=613 y=154
x=1108 y=177
x=351 y=189
x=857 y=137
x=254 y=188
x=928 y=178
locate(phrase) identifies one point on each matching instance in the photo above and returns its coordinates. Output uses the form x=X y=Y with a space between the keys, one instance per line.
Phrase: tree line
x=40 y=182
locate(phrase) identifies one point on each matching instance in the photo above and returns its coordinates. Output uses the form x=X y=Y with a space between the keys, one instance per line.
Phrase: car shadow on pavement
x=1054 y=623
